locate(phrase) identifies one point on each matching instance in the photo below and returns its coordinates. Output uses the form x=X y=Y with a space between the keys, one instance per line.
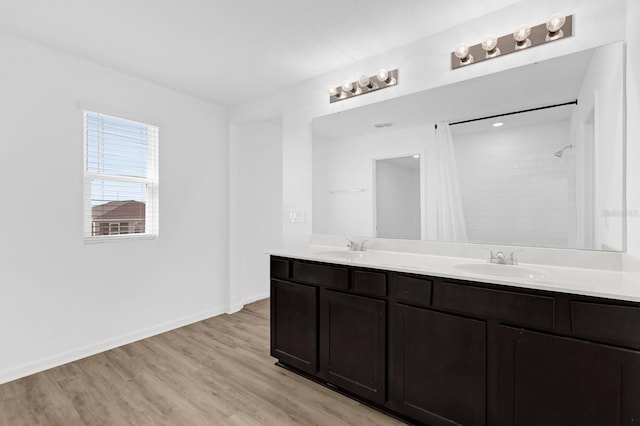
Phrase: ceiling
x=231 y=51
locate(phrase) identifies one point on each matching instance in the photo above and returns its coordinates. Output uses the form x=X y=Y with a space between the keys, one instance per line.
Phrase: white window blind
x=120 y=178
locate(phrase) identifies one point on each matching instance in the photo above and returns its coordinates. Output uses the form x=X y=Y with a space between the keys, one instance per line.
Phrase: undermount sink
x=510 y=271
x=343 y=254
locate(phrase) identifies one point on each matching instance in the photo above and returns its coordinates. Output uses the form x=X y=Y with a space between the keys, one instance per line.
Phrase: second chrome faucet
x=355 y=246
x=500 y=258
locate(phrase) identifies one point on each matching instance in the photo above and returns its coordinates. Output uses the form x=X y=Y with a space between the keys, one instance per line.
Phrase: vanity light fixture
x=365 y=84
x=557 y=26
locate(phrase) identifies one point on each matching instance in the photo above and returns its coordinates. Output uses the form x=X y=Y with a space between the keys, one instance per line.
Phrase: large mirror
x=509 y=158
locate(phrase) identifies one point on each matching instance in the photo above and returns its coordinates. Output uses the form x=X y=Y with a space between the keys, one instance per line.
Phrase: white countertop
x=589 y=282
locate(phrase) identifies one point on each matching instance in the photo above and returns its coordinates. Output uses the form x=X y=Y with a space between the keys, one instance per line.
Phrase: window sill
x=116 y=238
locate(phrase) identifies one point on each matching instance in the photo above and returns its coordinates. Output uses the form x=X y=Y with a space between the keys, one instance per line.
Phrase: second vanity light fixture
x=365 y=84
x=557 y=27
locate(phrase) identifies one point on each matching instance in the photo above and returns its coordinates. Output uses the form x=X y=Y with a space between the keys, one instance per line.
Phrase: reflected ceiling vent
x=381 y=125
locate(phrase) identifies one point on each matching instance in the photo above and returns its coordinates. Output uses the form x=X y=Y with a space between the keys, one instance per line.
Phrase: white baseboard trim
x=232 y=309
x=76 y=354
x=256 y=298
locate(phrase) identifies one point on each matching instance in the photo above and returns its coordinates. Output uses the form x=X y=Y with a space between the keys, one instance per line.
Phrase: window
x=120 y=178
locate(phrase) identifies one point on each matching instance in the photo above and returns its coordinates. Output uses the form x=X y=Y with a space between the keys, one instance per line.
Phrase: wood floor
x=214 y=372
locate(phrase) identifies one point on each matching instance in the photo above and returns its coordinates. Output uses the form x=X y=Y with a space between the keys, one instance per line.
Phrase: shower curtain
x=443 y=188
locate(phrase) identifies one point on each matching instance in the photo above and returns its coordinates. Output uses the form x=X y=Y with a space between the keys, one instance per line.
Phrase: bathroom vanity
x=444 y=349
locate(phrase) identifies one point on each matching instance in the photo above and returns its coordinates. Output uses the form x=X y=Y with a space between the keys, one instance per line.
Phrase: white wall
x=61 y=299
x=255 y=209
x=423 y=65
x=633 y=127
x=346 y=164
x=515 y=191
x=600 y=98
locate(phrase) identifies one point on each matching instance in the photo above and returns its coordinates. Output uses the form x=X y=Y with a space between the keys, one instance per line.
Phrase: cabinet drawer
x=511 y=307
x=611 y=323
x=324 y=275
x=413 y=290
x=370 y=283
x=279 y=268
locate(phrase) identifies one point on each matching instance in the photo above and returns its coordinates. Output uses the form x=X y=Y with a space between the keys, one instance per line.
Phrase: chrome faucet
x=353 y=246
x=500 y=259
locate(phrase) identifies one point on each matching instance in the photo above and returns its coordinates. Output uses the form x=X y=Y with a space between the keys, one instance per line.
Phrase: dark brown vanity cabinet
x=437 y=371
x=558 y=381
x=294 y=324
x=353 y=343
x=441 y=351
x=331 y=321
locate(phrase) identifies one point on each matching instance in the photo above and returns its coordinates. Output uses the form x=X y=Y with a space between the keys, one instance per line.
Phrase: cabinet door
x=550 y=380
x=294 y=325
x=437 y=371
x=353 y=343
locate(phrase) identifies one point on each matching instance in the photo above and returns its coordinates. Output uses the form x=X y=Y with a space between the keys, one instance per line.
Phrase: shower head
x=559 y=153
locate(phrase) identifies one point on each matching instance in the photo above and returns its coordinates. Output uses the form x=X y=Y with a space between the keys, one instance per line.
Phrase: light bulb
x=365 y=81
x=555 y=22
x=521 y=36
x=522 y=33
x=554 y=26
x=332 y=91
x=462 y=53
x=347 y=86
x=386 y=77
x=490 y=45
x=498 y=124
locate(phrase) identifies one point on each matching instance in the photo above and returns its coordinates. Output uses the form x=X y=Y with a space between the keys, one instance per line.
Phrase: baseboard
x=76 y=354
x=256 y=298
x=232 y=309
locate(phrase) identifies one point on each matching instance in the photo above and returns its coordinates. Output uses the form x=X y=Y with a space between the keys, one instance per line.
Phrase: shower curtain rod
x=574 y=102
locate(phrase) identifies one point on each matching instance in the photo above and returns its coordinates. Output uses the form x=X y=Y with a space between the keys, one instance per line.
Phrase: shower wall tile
x=514 y=189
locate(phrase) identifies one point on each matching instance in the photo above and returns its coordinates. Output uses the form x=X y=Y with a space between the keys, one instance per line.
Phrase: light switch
x=297 y=216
